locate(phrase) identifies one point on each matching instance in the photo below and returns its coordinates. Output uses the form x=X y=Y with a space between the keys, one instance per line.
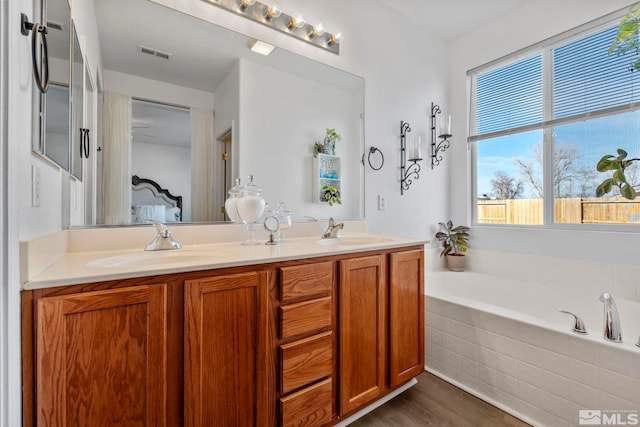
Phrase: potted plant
x=328 y=145
x=331 y=194
x=454 y=244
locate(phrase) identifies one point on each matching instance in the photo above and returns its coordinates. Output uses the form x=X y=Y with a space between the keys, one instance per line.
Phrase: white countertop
x=101 y=265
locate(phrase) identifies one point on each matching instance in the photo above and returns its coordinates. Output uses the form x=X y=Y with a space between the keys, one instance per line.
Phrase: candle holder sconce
x=440 y=140
x=412 y=171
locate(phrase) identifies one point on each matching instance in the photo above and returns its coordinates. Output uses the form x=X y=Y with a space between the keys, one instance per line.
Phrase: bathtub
x=503 y=340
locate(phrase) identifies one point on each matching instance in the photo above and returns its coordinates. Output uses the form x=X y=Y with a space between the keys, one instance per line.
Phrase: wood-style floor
x=434 y=402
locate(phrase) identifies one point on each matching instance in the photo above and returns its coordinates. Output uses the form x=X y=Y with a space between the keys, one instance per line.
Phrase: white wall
x=305 y=108
x=531 y=23
x=171 y=169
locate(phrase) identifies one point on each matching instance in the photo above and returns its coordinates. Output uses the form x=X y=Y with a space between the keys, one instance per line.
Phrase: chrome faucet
x=578 y=324
x=332 y=230
x=163 y=239
x=612 y=331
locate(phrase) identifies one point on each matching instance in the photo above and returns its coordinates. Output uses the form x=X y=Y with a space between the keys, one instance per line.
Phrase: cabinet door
x=362 y=303
x=101 y=358
x=406 y=316
x=226 y=350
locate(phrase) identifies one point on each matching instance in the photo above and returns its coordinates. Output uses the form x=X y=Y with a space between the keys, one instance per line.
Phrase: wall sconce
x=411 y=172
x=273 y=17
x=444 y=133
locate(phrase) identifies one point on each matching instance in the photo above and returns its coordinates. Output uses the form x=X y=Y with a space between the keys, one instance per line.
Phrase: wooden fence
x=575 y=210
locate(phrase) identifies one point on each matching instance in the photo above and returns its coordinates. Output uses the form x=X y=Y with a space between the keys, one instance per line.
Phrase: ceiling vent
x=154 y=52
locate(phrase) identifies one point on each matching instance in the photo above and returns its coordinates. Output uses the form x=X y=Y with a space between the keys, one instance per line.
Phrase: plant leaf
x=627 y=191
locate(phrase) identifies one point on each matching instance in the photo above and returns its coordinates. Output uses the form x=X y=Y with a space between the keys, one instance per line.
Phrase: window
x=541 y=121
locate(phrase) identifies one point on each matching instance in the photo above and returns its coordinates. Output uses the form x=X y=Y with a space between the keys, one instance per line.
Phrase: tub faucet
x=578 y=325
x=332 y=230
x=612 y=331
x=163 y=239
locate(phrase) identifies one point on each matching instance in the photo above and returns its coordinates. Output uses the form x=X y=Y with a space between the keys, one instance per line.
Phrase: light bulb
x=296 y=22
x=244 y=4
x=334 y=39
x=272 y=12
x=317 y=30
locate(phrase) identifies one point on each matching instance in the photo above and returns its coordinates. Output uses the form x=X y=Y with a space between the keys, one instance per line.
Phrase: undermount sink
x=157 y=258
x=354 y=241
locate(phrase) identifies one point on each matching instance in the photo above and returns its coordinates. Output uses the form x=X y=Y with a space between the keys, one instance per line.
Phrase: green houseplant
x=328 y=145
x=626 y=40
x=455 y=241
x=331 y=194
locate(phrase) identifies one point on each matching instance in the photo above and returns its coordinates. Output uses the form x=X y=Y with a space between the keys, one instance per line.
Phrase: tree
x=570 y=177
x=504 y=186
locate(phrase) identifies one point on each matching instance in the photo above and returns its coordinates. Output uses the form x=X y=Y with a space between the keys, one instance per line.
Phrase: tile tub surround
x=499 y=338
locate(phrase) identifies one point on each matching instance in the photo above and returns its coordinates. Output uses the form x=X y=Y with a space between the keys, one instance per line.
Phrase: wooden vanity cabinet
x=225 y=336
x=296 y=343
x=101 y=358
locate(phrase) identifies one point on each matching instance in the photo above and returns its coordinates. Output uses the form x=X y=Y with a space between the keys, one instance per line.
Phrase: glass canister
x=250 y=206
x=230 y=204
x=283 y=215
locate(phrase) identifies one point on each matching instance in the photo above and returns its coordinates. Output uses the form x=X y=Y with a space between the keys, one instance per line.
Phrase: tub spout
x=612 y=331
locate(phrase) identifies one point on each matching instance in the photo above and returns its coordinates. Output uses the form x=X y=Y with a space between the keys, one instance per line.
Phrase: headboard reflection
x=150 y=200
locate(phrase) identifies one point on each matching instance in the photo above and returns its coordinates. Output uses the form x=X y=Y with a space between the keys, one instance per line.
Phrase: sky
x=593 y=138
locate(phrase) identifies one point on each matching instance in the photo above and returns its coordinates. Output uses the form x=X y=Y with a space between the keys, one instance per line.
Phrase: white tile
x=469 y=350
x=555 y=384
x=487 y=375
x=617 y=359
x=528 y=353
x=507 y=383
x=467 y=332
x=452 y=343
x=555 y=341
x=488 y=390
x=507 y=365
x=555 y=363
x=531 y=411
x=530 y=334
x=487 y=357
x=610 y=402
x=469 y=367
x=451 y=326
x=584 y=373
x=437 y=321
x=468 y=381
x=585 y=396
x=437 y=306
x=529 y=374
x=582 y=349
x=437 y=353
x=622 y=386
x=451 y=359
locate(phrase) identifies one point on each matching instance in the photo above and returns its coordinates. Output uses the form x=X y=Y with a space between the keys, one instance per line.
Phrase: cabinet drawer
x=310 y=407
x=306 y=281
x=306 y=361
x=305 y=317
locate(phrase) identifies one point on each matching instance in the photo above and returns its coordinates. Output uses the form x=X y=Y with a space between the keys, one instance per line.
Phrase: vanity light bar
x=292 y=25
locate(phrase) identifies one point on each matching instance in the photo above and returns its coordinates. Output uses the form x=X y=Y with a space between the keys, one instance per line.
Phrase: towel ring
x=372 y=150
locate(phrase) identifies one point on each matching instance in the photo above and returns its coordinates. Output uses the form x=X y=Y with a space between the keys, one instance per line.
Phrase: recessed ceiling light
x=260 y=47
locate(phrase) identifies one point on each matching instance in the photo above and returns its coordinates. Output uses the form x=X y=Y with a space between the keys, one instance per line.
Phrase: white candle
x=445 y=126
x=414 y=149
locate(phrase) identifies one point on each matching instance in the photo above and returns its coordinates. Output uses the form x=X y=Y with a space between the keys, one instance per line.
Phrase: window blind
x=587 y=79
x=509 y=97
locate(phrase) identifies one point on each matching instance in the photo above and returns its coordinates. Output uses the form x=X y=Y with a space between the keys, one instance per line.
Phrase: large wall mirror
x=191 y=108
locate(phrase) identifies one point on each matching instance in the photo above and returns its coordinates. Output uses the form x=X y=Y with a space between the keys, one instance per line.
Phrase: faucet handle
x=579 y=326
x=162 y=229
